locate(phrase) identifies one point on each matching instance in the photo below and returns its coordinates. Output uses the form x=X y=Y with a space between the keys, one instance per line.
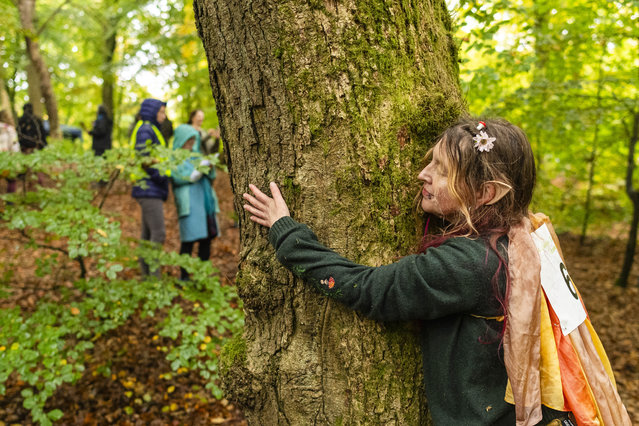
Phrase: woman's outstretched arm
x=449 y=279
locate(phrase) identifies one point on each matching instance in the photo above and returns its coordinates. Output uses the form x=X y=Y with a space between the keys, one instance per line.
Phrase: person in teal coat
x=195 y=199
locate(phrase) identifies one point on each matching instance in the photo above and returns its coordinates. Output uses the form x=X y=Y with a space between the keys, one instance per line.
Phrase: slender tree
x=338 y=102
x=632 y=131
x=26 y=9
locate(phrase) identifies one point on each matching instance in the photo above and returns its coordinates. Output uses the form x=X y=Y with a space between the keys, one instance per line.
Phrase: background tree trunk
x=108 y=75
x=633 y=194
x=338 y=102
x=5 y=102
x=35 y=93
x=26 y=9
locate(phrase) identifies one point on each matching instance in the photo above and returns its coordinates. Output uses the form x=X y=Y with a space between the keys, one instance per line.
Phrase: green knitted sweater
x=448 y=288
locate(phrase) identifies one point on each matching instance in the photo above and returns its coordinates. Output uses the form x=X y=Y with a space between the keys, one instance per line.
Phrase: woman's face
x=161 y=116
x=436 y=198
x=188 y=145
x=198 y=119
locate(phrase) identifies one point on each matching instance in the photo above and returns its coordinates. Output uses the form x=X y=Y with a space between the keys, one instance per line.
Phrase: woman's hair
x=192 y=114
x=509 y=164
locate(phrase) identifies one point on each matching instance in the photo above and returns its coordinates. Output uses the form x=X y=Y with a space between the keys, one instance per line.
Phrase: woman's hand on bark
x=264 y=209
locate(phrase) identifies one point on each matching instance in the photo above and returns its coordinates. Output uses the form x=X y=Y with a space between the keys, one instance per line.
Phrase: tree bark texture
x=337 y=102
x=26 y=10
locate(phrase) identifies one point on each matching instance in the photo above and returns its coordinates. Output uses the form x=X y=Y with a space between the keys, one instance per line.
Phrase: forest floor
x=138 y=367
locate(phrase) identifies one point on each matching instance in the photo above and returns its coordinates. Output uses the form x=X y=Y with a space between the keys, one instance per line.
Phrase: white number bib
x=557 y=284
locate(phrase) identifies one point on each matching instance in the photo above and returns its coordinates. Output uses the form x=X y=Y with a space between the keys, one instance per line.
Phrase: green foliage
x=155 y=40
x=46 y=347
x=566 y=72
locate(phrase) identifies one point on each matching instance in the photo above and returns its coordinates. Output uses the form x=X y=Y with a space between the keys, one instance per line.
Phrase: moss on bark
x=339 y=102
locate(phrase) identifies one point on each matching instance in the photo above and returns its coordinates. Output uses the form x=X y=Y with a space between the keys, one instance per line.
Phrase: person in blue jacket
x=196 y=202
x=152 y=194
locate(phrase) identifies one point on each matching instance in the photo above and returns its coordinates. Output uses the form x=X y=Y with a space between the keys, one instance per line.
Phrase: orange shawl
x=565 y=373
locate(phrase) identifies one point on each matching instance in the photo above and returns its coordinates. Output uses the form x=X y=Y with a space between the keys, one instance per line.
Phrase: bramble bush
x=46 y=347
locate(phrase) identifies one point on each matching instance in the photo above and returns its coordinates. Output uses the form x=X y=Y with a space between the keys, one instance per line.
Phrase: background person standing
x=101 y=131
x=152 y=194
x=195 y=200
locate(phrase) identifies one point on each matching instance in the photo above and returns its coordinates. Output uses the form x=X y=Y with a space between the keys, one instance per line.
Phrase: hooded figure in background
x=154 y=192
x=31 y=132
x=196 y=202
x=101 y=131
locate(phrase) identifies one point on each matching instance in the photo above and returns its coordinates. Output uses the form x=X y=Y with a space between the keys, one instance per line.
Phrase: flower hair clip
x=483 y=142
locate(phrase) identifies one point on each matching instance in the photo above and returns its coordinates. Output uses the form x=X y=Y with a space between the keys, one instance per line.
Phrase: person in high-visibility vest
x=152 y=195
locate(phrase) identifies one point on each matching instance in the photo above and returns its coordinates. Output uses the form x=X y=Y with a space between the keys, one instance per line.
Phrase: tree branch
x=55 y=12
x=112 y=179
x=79 y=259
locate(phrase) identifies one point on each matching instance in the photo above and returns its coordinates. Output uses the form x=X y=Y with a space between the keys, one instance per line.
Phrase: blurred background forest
x=113 y=52
x=567 y=72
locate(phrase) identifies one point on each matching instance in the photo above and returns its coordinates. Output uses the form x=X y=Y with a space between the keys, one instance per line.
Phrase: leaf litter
x=138 y=387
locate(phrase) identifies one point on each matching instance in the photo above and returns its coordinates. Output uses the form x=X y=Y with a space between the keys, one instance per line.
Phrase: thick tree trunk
x=26 y=9
x=338 y=102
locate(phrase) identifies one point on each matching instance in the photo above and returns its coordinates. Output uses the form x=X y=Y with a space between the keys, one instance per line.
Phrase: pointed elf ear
x=492 y=191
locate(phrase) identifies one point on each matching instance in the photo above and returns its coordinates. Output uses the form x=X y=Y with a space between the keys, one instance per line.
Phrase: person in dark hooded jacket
x=31 y=132
x=154 y=192
x=101 y=131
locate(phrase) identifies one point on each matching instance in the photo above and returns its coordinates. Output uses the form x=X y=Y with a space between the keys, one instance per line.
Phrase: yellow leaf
x=63 y=362
x=174 y=406
x=15 y=346
x=120 y=167
x=75 y=311
x=170 y=389
x=156 y=337
x=101 y=232
x=128 y=394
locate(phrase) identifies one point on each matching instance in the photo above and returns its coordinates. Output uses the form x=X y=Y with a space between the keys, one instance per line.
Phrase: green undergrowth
x=46 y=347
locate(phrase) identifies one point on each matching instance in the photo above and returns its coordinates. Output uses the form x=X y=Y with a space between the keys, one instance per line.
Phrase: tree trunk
x=34 y=90
x=108 y=76
x=633 y=194
x=338 y=102
x=26 y=9
x=592 y=163
x=5 y=102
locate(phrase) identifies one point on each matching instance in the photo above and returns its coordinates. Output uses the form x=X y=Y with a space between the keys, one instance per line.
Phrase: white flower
x=483 y=142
